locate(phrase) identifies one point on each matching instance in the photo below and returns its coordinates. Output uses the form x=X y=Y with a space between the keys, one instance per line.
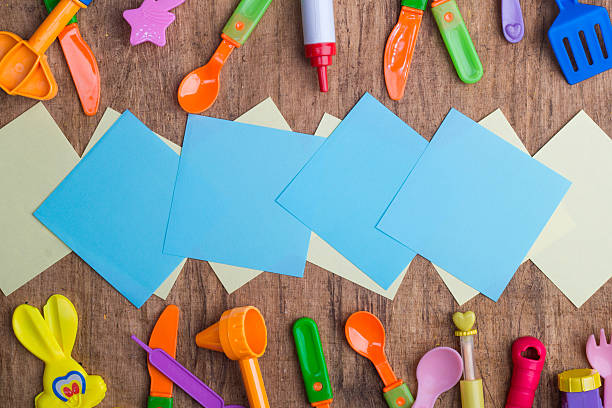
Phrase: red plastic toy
x=526 y=372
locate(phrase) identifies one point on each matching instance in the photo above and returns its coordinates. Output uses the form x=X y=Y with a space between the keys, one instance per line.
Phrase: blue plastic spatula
x=581 y=37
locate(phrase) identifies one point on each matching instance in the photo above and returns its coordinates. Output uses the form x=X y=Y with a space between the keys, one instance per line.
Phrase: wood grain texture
x=523 y=79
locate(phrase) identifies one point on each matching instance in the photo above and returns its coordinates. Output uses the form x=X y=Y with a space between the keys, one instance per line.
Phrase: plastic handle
x=399 y=397
x=51 y=4
x=512 y=20
x=53 y=25
x=188 y=382
x=253 y=383
x=159 y=402
x=245 y=18
x=312 y=360
x=458 y=41
x=525 y=373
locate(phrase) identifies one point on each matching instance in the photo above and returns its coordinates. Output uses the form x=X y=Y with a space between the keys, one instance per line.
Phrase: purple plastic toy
x=512 y=20
x=150 y=20
x=183 y=378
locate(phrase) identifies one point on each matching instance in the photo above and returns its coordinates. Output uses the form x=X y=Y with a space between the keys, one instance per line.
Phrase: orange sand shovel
x=23 y=65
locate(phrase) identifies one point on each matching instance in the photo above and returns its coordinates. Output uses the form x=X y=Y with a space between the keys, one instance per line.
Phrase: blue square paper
x=223 y=208
x=345 y=188
x=474 y=204
x=112 y=209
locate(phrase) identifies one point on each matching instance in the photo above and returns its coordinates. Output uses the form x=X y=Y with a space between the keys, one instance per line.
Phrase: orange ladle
x=24 y=69
x=241 y=334
x=366 y=335
x=199 y=90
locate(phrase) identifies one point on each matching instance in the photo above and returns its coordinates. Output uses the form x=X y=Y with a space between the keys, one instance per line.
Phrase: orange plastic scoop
x=199 y=90
x=23 y=66
x=366 y=335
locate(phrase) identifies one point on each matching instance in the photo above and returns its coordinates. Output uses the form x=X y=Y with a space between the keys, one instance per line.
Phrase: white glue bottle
x=319 y=36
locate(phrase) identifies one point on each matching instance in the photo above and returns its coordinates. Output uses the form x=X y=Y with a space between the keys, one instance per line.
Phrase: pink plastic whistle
x=526 y=372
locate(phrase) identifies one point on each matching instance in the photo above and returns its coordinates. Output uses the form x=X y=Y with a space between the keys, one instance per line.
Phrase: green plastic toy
x=457 y=40
x=312 y=362
x=245 y=18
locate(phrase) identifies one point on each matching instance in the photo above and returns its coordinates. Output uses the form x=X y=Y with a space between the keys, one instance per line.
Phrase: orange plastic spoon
x=23 y=66
x=200 y=88
x=366 y=335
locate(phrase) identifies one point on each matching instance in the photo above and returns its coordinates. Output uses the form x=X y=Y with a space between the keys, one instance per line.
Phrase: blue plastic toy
x=581 y=37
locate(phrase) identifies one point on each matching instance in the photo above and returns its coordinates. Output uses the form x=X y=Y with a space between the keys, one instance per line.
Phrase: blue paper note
x=112 y=209
x=346 y=186
x=474 y=204
x=223 y=208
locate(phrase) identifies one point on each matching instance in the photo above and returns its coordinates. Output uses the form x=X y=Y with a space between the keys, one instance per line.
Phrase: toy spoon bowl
x=438 y=371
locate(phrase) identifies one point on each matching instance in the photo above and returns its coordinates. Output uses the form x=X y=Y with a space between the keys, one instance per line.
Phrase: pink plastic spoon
x=438 y=371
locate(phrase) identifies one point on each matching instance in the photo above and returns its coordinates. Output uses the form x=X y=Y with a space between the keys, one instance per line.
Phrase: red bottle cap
x=320 y=56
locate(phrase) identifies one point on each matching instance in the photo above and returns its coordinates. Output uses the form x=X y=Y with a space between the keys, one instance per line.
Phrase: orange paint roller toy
x=241 y=334
x=23 y=65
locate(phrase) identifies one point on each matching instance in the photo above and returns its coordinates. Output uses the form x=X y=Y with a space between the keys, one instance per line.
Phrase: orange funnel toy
x=241 y=334
x=23 y=66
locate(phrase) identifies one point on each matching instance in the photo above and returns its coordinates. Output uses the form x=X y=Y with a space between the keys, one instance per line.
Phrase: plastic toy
x=81 y=63
x=241 y=334
x=457 y=40
x=472 y=395
x=512 y=20
x=400 y=47
x=164 y=336
x=526 y=372
x=51 y=339
x=312 y=362
x=24 y=69
x=182 y=377
x=199 y=90
x=438 y=371
x=366 y=335
x=150 y=21
x=319 y=36
x=600 y=358
x=580 y=388
x=581 y=56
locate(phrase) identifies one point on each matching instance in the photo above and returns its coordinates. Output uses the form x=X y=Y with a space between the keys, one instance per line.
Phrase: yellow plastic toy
x=65 y=383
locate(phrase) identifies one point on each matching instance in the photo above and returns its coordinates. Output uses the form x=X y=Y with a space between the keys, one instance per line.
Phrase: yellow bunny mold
x=51 y=339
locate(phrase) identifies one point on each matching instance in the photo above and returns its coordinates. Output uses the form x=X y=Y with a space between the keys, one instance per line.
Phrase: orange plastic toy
x=23 y=66
x=400 y=47
x=366 y=335
x=241 y=334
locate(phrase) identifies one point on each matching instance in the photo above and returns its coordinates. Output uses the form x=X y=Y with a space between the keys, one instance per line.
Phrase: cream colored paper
x=110 y=116
x=581 y=262
x=34 y=158
x=558 y=226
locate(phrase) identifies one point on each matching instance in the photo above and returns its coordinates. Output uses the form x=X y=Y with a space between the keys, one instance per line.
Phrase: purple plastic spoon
x=438 y=371
x=512 y=20
x=183 y=378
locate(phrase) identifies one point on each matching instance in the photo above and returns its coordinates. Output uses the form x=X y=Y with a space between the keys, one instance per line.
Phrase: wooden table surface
x=523 y=79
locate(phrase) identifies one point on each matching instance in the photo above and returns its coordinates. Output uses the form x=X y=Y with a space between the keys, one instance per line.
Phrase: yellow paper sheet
x=34 y=158
x=581 y=262
x=558 y=226
x=110 y=116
